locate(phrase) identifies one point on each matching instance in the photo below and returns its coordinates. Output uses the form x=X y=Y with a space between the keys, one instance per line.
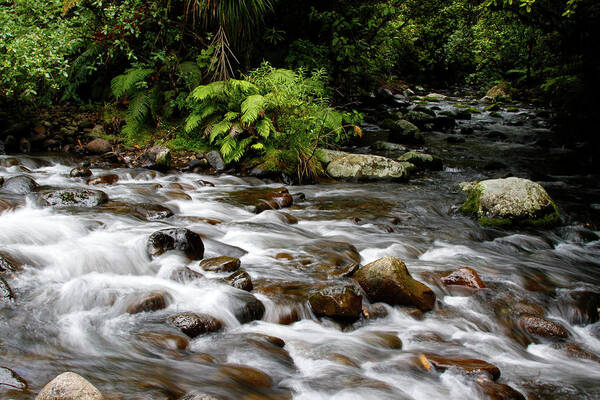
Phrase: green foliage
x=269 y=109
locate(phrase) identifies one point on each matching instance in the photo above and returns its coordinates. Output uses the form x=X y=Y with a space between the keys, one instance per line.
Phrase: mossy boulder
x=72 y=198
x=369 y=167
x=403 y=131
x=422 y=160
x=510 y=201
x=388 y=280
x=326 y=156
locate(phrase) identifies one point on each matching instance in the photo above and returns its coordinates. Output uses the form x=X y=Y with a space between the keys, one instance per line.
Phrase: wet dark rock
x=215 y=160
x=574 y=350
x=247 y=376
x=340 y=254
x=419 y=118
x=69 y=386
x=72 y=198
x=274 y=201
x=497 y=391
x=249 y=308
x=6 y=293
x=375 y=311
x=193 y=324
x=403 y=131
x=98 y=146
x=494 y=165
x=176 y=239
x=288 y=218
x=388 y=280
x=542 y=328
x=1 y=181
x=156 y=157
x=241 y=280
x=469 y=366
x=108 y=179
x=2 y=148
x=21 y=184
x=185 y=274
x=167 y=341
x=220 y=264
x=24 y=146
x=455 y=139
x=152 y=212
x=388 y=340
x=11 y=381
x=464 y=276
x=337 y=302
x=80 y=172
x=151 y=302
x=7 y=264
x=583 y=307
x=444 y=123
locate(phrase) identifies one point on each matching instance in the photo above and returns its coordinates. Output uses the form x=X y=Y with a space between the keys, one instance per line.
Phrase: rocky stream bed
x=200 y=284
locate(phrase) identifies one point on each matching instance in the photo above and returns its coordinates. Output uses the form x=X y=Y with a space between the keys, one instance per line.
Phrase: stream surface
x=81 y=268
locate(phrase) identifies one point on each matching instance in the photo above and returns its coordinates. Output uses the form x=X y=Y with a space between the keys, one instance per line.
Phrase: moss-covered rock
x=326 y=156
x=510 y=201
x=403 y=131
x=368 y=167
x=422 y=160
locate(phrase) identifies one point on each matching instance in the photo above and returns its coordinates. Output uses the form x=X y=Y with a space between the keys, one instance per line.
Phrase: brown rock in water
x=542 y=328
x=185 y=274
x=584 y=307
x=469 y=366
x=80 y=172
x=98 y=146
x=290 y=219
x=6 y=293
x=152 y=302
x=5 y=205
x=375 y=311
x=176 y=239
x=69 y=386
x=11 y=381
x=574 y=350
x=151 y=212
x=497 y=391
x=108 y=179
x=337 y=302
x=249 y=308
x=247 y=376
x=284 y=256
x=388 y=280
x=220 y=264
x=240 y=280
x=464 y=276
x=388 y=340
x=166 y=341
x=193 y=324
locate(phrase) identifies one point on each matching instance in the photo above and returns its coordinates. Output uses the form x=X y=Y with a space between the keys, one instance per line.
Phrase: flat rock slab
x=368 y=167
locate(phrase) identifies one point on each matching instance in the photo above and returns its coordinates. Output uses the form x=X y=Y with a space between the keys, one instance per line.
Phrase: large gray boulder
x=69 y=386
x=510 y=201
x=368 y=167
x=157 y=157
x=326 y=156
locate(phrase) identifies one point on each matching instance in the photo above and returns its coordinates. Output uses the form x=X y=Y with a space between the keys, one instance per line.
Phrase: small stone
x=240 y=280
x=542 y=328
x=176 y=239
x=103 y=180
x=193 y=324
x=469 y=366
x=166 y=341
x=69 y=386
x=80 y=172
x=220 y=264
x=247 y=376
x=464 y=276
x=337 y=302
x=185 y=274
x=388 y=340
x=152 y=302
x=215 y=160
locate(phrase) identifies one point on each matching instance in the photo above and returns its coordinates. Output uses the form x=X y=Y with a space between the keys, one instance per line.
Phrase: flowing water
x=81 y=268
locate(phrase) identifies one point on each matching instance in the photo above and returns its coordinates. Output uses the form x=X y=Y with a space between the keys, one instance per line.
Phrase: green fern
x=219 y=129
x=251 y=108
x=128 y=82
x=208 y=92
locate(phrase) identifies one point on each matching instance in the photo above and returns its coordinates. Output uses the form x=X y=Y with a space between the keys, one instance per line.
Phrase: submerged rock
x=469 y=366
x=152 y=302
x=422 y=160
x=369 y=167
x=497 y=391
x=108 y=179
x=337 y=302
x=176 y=239
x=247 y=376
x=167 y=341
x=69 y=386
x=241 y=280
x=80 y=172
x=193 y=324
x=388 y=280
x=220 y=264
x=542 y=328
x=6 y=293
x=464 y=276
x=249 y=308
x=185 y=274
x=509 y=201
x=72 y=198
x=11 y=381
x=21 y=184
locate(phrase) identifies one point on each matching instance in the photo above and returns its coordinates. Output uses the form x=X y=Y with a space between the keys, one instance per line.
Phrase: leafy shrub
x=280 y=112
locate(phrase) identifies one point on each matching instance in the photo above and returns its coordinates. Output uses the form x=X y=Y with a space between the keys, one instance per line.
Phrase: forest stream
x=80 y=273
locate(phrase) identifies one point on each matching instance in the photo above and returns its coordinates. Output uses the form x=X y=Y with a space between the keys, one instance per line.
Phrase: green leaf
x=207 y=92
x=263 y=127
x=251 y=107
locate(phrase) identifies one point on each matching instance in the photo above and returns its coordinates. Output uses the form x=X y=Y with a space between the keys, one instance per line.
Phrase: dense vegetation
x=197 y=65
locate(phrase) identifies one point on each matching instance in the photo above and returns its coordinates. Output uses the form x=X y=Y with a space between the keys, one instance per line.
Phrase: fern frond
x=258 y=146
x=68 y=4
x=126 y=83
x=218 y=129
x=251 y=107
x=139 y=108
x=206 y=92
x=231 y=116
x=264 y=127
x=282 y=76
x=239 y=86
x=198 y=116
